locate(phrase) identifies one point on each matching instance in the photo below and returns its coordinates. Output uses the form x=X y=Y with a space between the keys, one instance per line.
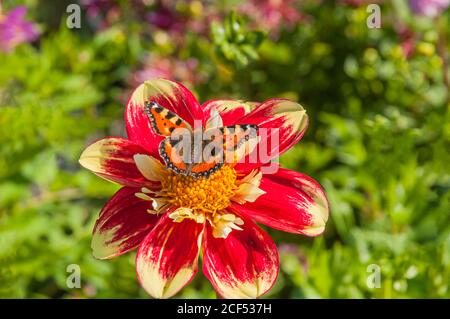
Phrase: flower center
x=205 y=196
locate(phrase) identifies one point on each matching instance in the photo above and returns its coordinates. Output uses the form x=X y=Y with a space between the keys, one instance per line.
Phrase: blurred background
x=378 y=142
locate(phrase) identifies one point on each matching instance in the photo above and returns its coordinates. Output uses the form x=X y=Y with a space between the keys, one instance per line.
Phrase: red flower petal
x=122 y=225
x=229 y=110
x=243 y=265
x=293 y=203
x=112 y=159
x=167 y=259
x=171 y=95
x=283 y=121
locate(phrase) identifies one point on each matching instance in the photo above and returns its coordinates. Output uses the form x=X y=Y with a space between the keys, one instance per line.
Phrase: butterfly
x=201 y=151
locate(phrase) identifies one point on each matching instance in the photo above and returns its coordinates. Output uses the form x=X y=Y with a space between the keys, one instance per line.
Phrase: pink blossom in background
x=165 y=19
x=272 y=14
x=104 y=13
x=168 y=67
x=429 y=8
x=197 y=20
x=15 y=29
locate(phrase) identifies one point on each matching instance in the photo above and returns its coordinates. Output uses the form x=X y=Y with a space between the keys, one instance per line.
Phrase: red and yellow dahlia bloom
x=171 y=218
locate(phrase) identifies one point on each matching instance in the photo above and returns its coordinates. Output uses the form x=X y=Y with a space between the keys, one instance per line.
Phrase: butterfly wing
x=239 y=141
x=224 y=145
x=208 y=154
x=167 y=123
x=205 y=169
x=231 y=143
x=172 y=155
x=183 y=157
x=163 y=121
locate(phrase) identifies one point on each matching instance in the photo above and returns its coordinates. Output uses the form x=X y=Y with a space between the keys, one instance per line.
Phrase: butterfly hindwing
x=163 y=121
x=239 y=141
x=208 y=156
x=170 y=153
x=228 y=144
x=204 y=168
x=189 y=159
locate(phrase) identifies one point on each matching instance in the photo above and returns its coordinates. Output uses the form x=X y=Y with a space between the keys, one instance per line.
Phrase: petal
x=243 y=265
x=182 y=213
x=168 y=94
x=167 y=258
x=248 y=188
x=112 y=159
x=293 y=203
x=224 y=223
x=214 y=119
x=150 y=167
x=123 y=223
x=229 y=110
x=281 y=123
x=288 y=116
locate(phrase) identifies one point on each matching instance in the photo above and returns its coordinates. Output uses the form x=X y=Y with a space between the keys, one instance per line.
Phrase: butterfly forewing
x=163 y=121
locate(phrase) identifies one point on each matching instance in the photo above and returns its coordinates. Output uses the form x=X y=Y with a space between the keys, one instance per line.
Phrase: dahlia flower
x=174 y=218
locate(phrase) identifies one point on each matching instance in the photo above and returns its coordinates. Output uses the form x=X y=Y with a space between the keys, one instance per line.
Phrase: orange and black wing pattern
x=188 y=159
x=163 y=121
x=238 y=141
x=223 y=145
x=208 y=156
x=205 y=169
x=172 y=155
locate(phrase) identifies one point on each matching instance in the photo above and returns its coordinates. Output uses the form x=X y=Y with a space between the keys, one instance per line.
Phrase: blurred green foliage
x=234 y=43
x=378 y=141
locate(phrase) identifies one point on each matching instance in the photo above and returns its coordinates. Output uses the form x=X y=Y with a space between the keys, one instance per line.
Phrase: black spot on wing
x=173 y=142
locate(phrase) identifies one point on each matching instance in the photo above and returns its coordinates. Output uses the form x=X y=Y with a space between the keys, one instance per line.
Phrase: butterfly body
x=201 y=151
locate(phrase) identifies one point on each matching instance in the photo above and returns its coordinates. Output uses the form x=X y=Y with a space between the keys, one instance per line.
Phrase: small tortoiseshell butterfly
x=199 y=152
